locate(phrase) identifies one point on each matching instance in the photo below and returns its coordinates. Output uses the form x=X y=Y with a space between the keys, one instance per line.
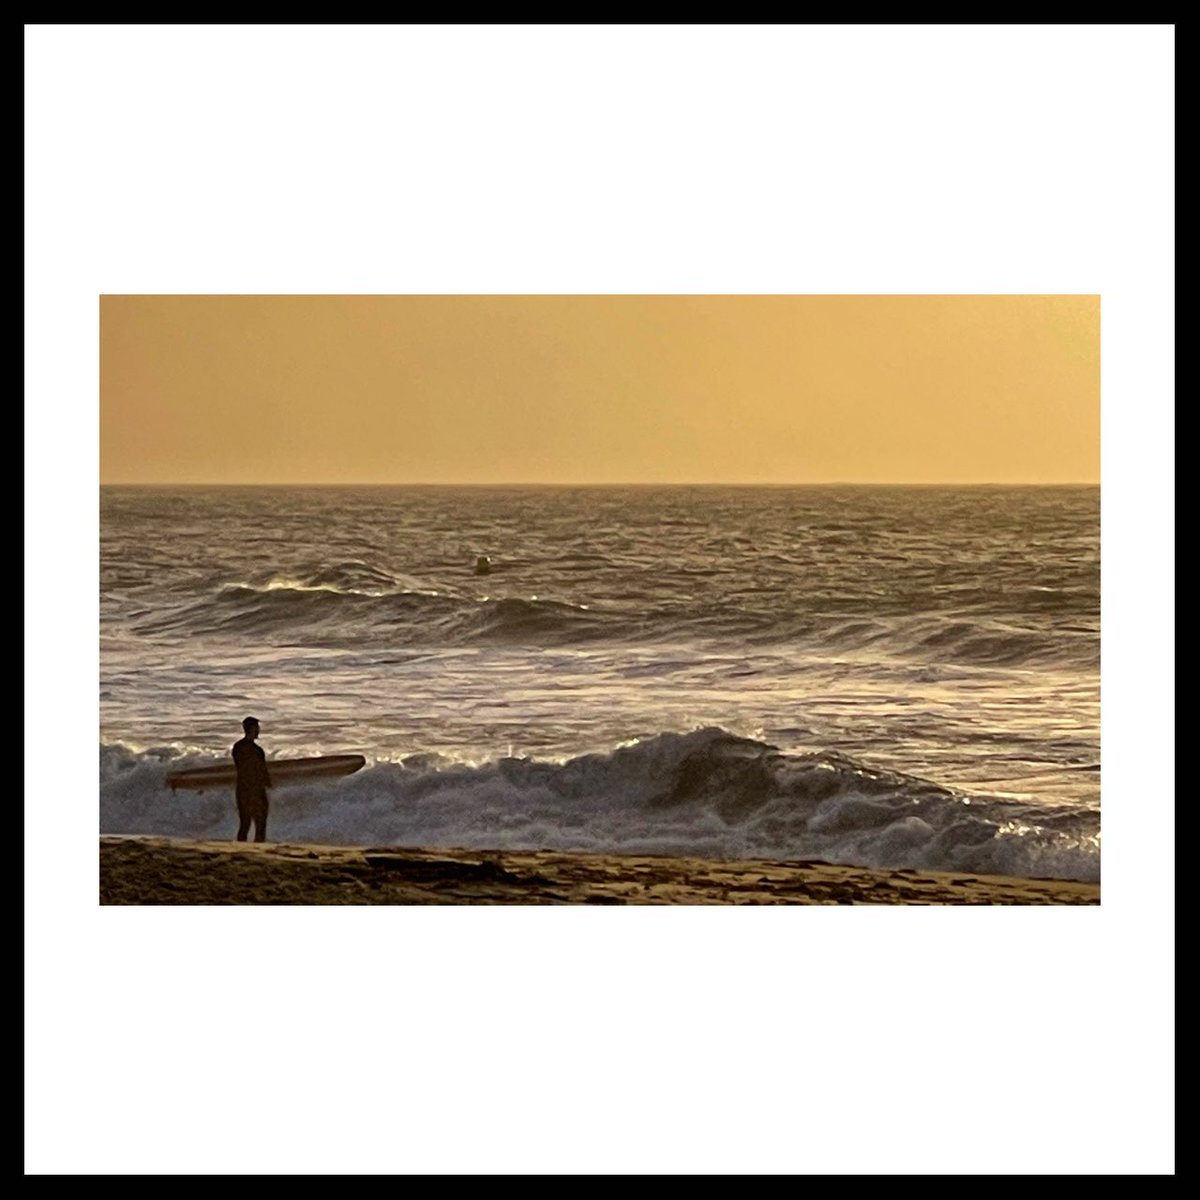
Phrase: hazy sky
x=599 y=389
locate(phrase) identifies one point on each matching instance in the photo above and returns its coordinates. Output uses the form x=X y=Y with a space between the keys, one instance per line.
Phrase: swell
x=708 y=793
x=350 y=604
x=327 y=616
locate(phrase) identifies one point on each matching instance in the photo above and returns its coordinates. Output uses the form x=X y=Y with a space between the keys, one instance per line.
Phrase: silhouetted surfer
x=252 y=783
x=483 y=565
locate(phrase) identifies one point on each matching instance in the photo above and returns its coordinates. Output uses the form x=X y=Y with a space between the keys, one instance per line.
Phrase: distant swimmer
x=483 y=565
x=253 y=780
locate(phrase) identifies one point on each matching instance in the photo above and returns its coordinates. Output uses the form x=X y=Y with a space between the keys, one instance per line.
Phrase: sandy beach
x=156 y=870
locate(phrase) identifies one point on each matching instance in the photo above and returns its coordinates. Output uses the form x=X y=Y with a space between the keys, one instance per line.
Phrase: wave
x=706 y=793
x=350 y=605
x=339 y=615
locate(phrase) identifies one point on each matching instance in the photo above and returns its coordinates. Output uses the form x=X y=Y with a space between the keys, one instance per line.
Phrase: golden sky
x=599 y=389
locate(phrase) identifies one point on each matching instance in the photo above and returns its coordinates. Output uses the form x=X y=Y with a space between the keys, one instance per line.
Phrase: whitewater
x=890 y=677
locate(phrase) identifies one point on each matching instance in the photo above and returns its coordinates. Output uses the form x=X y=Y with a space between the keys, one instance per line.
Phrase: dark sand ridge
x=155 y=870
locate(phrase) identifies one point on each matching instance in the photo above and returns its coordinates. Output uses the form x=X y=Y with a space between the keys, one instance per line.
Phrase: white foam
x=706 y=793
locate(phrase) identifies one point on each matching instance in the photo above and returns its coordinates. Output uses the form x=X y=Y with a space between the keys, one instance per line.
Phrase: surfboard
x=282 y=771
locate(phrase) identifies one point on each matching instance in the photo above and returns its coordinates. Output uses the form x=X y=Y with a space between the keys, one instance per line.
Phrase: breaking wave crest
x=708 y=793
x=350 y=603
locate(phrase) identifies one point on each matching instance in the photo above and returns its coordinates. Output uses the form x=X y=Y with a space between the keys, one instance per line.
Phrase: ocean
x=882 y=676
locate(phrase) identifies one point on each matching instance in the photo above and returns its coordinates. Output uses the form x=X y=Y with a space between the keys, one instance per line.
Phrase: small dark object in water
x=483 y=565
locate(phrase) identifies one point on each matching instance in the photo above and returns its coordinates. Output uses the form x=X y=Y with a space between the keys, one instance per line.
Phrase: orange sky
x=599 y=389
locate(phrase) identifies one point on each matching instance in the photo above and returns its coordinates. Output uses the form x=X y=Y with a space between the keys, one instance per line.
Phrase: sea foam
x=706 y=793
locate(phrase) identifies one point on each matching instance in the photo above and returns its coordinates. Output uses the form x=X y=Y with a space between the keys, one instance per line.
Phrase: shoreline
x=152 y=870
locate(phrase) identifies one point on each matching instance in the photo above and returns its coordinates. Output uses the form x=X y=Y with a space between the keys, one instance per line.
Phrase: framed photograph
x=600 y=599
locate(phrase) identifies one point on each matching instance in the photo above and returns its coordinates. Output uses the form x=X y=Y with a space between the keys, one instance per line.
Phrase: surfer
x=483 y=565
x=252 y=783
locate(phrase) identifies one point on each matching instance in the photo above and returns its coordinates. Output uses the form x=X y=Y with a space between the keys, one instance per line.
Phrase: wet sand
x=156 y=870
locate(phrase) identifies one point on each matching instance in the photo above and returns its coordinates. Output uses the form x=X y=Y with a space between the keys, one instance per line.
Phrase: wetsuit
x=252 y=784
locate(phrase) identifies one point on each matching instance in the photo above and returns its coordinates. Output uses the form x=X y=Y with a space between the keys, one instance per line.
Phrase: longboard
x=282 y=770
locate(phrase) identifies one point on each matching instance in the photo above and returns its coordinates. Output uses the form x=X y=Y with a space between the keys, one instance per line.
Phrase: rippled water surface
x=903 y=643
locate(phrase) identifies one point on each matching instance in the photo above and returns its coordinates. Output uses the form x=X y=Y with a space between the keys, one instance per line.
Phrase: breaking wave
x=707 y=793
x=354 y=603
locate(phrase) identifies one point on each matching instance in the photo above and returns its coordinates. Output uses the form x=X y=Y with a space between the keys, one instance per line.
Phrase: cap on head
x=249 y=723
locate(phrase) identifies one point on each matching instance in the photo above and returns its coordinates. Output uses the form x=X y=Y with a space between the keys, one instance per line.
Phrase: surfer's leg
x=243 y=821
x=260 y=821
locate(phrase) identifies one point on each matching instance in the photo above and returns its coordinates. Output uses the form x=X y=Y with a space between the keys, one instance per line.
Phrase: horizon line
x=604 y=483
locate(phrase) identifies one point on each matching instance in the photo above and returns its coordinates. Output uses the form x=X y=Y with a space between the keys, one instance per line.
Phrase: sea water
x=885 y=676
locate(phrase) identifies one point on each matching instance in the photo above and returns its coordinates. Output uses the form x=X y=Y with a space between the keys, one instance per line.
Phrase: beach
x=158 y=870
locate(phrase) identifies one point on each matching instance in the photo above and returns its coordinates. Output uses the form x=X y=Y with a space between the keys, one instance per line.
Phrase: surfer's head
x=250 y=726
